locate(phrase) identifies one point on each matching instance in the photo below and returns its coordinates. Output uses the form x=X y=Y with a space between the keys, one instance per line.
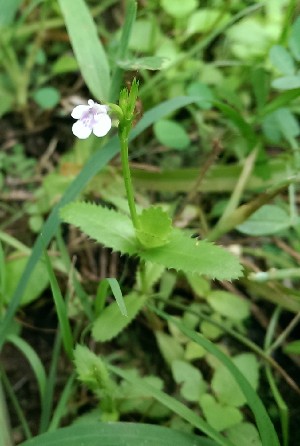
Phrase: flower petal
x=79 y=110
x=103 y=126
x=80 y=130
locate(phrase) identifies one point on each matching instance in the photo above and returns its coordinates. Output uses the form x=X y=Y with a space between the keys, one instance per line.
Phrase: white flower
x=91 y=118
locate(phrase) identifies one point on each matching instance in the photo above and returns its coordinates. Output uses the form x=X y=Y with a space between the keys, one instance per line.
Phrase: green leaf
x=155 y=227
x=116 y=231
x=189 y=378
x=219 y=416
x=266 y=429
x=200 y=257
x=144 y=36
x=87 y=47
x=179 y=8
x=111 y=228
x=37 y=283
x=116 y=290
x=267 y=220
x=282 y=60
x=292 y=348
x=204 y=92
x=244 y=434
x=287 y=82
x=111 y=322
x=47 y=97
x=294 y=40
x=132 y=399
x=169 y=347
x=171 y=134
x=204 y=20
x=143 y=63
x=175 y=406
x=65 y=64
x=287 y=123
x=229 y=305
x=8 y=11
x=225 y=386
x=91 y=369
x=117 y=434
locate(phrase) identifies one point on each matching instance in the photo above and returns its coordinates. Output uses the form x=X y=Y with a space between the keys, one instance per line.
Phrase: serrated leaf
x=107 y=226
x=155 y=227
x=116 y=231
x=111 y=322
x=200 y=257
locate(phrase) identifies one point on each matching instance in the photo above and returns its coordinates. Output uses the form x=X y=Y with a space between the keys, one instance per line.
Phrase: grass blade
x=34 y=361
x=122 y=53
x=61 y=310
x=87 y=47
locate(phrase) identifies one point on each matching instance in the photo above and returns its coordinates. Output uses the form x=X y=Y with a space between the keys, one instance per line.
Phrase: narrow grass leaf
x=61 y=310
x=87 y=47
x=118 y=71
x=34 y=361
x=117 y=292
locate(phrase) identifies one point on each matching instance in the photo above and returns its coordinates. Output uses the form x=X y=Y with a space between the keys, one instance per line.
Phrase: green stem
x=123 y=135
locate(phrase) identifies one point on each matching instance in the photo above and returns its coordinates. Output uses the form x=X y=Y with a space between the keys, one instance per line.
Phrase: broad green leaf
x=179 y=8
x=87 y=47
x=287 y=82
x=132 y=399
x=46 y=97
x=111 y=322
x=287 y=123
x=204 y=92
x=204 y=20
x=294 y=40
x=244 y=434
x=143 y=63
x=282 y=60
x=267 y=220
x=144 y=35
x=199 y=257
x=171 y=134
x=65 y=64
x=225 y=386
x=189 y=378
x=219 y=416
x=117 y=434
x=8 y=11
x=229 y=305
x=107 y=226
x=193 y=351
x=155 y=227
x=209 y=329
x=169 y=347
x=37 y=283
